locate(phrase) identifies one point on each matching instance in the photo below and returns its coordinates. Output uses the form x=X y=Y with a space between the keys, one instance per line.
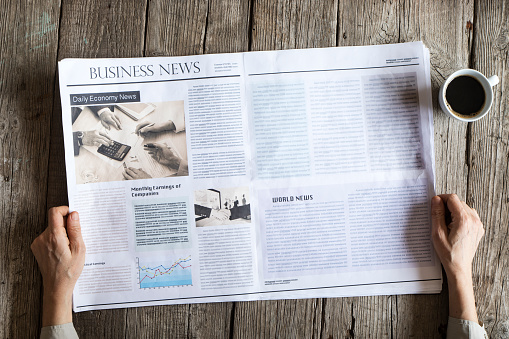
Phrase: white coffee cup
x=487 y=84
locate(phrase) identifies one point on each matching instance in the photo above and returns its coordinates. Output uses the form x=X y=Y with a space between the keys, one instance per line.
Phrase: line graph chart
x=166 y=274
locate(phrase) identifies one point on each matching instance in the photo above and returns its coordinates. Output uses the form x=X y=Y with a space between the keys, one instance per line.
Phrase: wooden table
x=471 y=159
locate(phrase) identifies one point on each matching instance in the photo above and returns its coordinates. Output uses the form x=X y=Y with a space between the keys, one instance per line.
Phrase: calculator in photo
x=117 y=151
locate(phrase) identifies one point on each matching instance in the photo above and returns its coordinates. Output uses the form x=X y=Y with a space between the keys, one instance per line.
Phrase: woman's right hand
x=456 y=242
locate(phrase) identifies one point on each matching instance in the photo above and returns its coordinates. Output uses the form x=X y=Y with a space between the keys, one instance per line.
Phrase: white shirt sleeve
x=65 y=331
x=465 y=329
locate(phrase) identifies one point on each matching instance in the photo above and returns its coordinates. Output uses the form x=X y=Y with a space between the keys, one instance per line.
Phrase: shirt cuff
x=66 y=331
x=179 y=122
x=461 y=328
x=102 y=110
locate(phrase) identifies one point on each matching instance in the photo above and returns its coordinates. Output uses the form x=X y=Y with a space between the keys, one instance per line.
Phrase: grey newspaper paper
x=250 y=176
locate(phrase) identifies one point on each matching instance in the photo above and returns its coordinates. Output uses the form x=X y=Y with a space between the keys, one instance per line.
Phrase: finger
x=457 y=209
x=103 y=141
x=475 y=221
x=117 y=121
x=438 y=225
x=468 y=210
x=74 y=233
x=126 y=176
x=461 y=224
x=113 y=122
x=141 y=125
x=56 y=217
x=474 y=212
x=105 y=135
x=146 y=129
x=445 y=197
x=105 y=124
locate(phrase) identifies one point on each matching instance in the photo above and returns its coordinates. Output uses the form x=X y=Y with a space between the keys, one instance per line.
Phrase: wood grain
x=176 y=27
x=28 y=50
x=488 y=175
x=278 y=319
x=227 y=28
x=285 y=24
x=369 y=23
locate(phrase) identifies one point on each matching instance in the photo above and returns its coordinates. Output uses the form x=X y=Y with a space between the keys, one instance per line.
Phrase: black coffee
x=465 y=95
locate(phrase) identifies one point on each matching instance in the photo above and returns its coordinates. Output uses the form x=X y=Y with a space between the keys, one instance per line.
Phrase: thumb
x=74 y=232
x=438 y=225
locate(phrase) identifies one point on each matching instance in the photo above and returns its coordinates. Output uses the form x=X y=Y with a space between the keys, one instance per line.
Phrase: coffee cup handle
x=493 y=80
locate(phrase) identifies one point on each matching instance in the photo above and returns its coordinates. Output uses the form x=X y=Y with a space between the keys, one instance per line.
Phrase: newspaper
x=247 y=176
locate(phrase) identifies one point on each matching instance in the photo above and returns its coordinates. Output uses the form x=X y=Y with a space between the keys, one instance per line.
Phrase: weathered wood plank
x=28 y=50
x=227 y=29
x=443 y=27
x=285 y=24
x=176 y=27
x=278 y=319
x=158 y=322
x=93 y=29
x=339 y=318
x=489 y=169
x=368 y=23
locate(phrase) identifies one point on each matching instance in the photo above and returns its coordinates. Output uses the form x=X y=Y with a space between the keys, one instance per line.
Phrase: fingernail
x=436 y=200
x=75 y=216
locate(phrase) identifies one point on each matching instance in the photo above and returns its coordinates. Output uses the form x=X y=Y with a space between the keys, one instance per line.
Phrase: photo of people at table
x=129 y=141
x=225 y=206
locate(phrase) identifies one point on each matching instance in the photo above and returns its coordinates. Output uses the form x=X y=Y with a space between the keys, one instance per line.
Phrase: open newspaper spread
x=248 y=176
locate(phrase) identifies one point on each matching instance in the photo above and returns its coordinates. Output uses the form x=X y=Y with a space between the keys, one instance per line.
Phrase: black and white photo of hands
x=221 y=215
x=109 y=118
x=151 y=127
x=96 y=138
x=131 y=173
x=164 y=155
